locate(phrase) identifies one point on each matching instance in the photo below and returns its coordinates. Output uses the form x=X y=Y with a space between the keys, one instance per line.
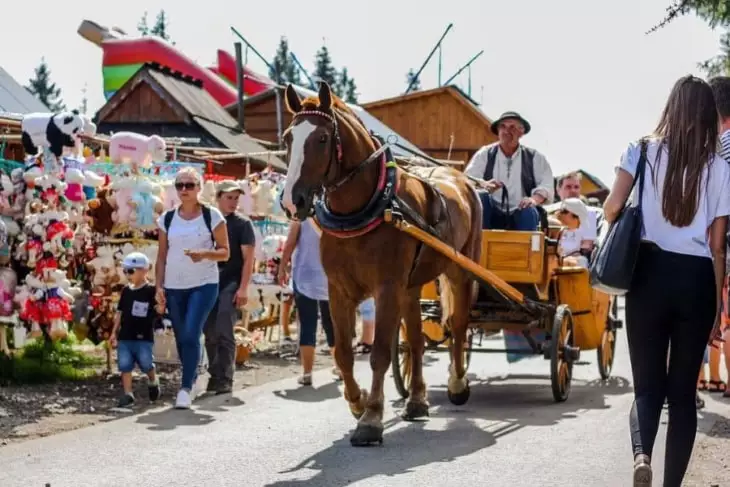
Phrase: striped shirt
x=725 y=146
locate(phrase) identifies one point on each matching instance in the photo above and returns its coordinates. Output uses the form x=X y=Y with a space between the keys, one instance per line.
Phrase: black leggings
x=308 y=310
x=672 y=299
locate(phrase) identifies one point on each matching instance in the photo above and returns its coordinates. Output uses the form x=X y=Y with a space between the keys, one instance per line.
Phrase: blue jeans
x=526 y=219
x=189 y=309
x=131 y=352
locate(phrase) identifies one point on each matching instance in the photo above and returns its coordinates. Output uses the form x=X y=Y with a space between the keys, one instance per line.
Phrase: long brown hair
x=688 y=130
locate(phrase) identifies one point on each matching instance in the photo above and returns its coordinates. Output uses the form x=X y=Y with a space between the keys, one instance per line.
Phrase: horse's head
x=312 y=141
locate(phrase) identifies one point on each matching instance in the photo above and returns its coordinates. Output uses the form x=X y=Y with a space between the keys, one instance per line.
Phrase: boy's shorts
x=367 y=309
x=131 y=352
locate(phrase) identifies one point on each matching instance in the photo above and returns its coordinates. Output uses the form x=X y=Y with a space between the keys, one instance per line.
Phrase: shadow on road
x=310 y=394
x=169 y=419
x=506 y=405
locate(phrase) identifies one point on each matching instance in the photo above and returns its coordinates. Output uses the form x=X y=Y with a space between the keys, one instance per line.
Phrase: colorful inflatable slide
x=124 y=55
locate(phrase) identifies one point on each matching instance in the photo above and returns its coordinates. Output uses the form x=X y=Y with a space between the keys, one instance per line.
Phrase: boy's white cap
x=136 y=260
x=576 y=207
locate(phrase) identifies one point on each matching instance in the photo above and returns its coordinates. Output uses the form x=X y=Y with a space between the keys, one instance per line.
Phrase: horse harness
x=385 y=196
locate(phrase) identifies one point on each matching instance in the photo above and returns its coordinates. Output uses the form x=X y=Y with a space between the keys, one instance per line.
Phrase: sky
x=582 y=72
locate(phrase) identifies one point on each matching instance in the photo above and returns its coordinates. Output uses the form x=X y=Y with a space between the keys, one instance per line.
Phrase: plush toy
x=75 y=196
x=245 y=202
x=89 y=127
x=100 y=212
x=91 y=184
x=136 y=149
x=104 y=270
x=207 y=193
x=52 y=190
x=52 y=130
x=263 y=197
x=146 y=204
x=122 y=203
x=8 y=283
x=170 y=198
x=7 y=205
x=32 y=311
x=57 y=307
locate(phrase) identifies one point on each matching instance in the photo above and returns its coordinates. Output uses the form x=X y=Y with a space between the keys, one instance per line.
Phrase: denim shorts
x=367 y=309
x=131 y=352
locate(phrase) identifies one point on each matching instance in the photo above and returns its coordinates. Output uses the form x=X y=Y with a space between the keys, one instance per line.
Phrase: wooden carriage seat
x=515 y=256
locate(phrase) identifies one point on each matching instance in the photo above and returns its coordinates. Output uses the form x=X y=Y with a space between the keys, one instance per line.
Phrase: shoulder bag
x=612 y=267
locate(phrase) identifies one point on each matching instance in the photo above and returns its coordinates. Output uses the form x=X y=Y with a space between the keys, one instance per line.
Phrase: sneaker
x=305 y=380
x=154 y=391
x=127 y=400
x=642 y=471
x=213 y=385
x=184 y=400
x=224 y=388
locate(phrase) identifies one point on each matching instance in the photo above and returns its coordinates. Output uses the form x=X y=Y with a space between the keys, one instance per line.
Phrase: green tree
x=44 y=89
x=143 y=26
x=345 y=87
x=720 y=64
x=283 y=69
x=323 y=67
x=84 y=106
x=714 y=12
x=409 y=78
x=159 y=29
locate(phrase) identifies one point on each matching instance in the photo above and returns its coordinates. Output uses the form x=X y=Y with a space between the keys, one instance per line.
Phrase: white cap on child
x=136 y=260
x=576 y=207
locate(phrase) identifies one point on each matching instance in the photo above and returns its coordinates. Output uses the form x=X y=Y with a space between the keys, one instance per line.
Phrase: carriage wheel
x=607 y=349
x=401 y=362
x=562 y=353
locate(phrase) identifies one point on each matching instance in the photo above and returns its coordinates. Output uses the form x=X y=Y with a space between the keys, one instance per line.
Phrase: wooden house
x=157 y=100
x=443 y=122
x=15 y=101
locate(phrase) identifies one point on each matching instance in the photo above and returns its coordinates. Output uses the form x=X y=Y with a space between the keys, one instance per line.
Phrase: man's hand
x=491 y=186
x=528 y=202
x=241 y=297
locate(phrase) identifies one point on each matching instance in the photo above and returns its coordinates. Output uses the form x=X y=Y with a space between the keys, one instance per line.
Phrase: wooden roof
x=452 y=90
x=196 y=106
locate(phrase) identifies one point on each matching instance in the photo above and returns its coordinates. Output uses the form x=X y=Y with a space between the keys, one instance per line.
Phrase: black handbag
x=612 y=267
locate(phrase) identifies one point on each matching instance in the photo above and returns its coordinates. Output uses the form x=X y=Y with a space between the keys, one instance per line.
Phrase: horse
x=333 y=157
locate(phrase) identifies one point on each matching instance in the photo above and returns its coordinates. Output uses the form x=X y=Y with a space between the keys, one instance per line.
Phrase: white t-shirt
x=714 y=202
x=180 y=271
x=570 y=241
x=588 y=228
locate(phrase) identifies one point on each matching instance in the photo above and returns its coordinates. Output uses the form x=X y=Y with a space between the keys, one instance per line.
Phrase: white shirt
x=588 y=228
x=714 y=202
x=180 y=271
x=508 y=170
x=570 y=242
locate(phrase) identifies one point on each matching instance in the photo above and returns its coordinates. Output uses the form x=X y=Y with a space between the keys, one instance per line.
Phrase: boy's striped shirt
x=725 y=145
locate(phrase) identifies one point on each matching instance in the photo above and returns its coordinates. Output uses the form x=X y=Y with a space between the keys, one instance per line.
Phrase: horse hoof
x=459 y=398
x=367 y=435
x=415 y=410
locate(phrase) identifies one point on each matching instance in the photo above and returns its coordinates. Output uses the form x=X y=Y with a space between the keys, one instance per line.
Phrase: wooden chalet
x=592 y=187
x=444 y=122
x=157 y=100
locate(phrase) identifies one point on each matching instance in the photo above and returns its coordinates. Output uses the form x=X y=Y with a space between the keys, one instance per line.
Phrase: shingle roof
x=14 y=98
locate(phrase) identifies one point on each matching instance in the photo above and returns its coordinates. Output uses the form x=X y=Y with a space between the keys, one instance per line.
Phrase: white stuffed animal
x=136 y=148
x=53 y=130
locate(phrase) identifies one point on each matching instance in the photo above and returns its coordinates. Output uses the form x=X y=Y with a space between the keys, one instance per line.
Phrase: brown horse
x=332 y=156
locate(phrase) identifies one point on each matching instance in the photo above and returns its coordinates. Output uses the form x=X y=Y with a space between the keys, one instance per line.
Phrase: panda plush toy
x=52 y=130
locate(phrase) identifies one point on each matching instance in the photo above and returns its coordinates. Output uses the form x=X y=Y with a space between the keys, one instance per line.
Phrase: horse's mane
x=312 y=103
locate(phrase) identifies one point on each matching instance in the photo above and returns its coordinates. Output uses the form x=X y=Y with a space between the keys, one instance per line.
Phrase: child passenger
x=571 y=214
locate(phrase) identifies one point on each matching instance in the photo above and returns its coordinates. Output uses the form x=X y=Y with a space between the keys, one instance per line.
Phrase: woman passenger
x=676 y=289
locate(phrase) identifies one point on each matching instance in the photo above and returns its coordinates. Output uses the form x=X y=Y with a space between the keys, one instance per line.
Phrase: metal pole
x=418 y=73
x=239 y=84
x=301 y=68
x=440 y=59
x=469 y=86
x=464 y=67
x=279 y=127
x=248 y=44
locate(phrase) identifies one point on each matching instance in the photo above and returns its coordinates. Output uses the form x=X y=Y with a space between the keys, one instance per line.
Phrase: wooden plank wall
x=143 y=104
x=260 y=120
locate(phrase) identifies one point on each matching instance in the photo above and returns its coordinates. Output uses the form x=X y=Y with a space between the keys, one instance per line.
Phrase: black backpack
x=206 y=218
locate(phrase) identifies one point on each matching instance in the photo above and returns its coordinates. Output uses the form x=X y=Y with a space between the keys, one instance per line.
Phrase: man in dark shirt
x=235 y=276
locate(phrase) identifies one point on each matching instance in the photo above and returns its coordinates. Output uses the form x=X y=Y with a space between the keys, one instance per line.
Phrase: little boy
x=571 y=246
x=134 y=321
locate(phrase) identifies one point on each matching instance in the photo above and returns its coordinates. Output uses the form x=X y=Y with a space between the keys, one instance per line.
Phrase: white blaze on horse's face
x=299 y=135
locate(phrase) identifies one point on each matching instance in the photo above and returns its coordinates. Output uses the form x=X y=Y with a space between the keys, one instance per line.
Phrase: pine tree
x=161 y=26
x=45 y=90
x=720 y=64
x=142 y=26
x=283 y=69
x=84 y=107
x=323 y=67
x=409 y=78
x=345 y=87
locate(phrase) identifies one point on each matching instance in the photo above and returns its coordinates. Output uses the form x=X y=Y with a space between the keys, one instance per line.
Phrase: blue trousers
x=494 y=218
x=189 y=310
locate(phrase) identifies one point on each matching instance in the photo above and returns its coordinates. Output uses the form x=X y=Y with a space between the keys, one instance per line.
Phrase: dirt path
x=710 y=466
x=28 y=412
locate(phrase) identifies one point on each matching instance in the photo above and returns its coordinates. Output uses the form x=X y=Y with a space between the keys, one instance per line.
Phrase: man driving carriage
x=514 y=179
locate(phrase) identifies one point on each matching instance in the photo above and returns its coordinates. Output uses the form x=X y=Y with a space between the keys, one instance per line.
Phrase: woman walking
x=310 y=292
x=675 y=293
x=193 y=239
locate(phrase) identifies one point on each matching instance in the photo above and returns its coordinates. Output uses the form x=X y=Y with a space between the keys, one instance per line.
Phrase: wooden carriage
x=524 y=287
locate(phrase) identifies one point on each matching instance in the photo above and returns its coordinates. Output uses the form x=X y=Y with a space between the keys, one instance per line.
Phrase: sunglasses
x=185 y=186
x=129 y=272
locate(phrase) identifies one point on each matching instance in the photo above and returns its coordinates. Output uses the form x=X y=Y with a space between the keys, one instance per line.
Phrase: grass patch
x=41 y=362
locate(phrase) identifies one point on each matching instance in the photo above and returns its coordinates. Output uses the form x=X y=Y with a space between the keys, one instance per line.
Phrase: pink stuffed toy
x=136 y=149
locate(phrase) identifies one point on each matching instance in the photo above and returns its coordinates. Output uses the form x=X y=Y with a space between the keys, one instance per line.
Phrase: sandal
x=363 y=348
x=699 y=402
x=717 y=386
x=305 y=380
x=702 y=385
x=726 y=394
x=336 y=372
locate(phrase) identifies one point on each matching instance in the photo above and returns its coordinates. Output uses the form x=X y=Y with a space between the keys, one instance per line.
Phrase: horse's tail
x=446 y=295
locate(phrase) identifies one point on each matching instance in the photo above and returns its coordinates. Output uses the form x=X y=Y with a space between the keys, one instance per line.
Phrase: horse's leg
x=417 y=404
x=342 y=311
x=387 y=319
x=458 y=386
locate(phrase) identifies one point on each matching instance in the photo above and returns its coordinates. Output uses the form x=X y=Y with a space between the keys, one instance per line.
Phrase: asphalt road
x=510 y=433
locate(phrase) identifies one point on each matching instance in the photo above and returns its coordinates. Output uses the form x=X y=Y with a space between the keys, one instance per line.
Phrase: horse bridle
x=337 y=154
